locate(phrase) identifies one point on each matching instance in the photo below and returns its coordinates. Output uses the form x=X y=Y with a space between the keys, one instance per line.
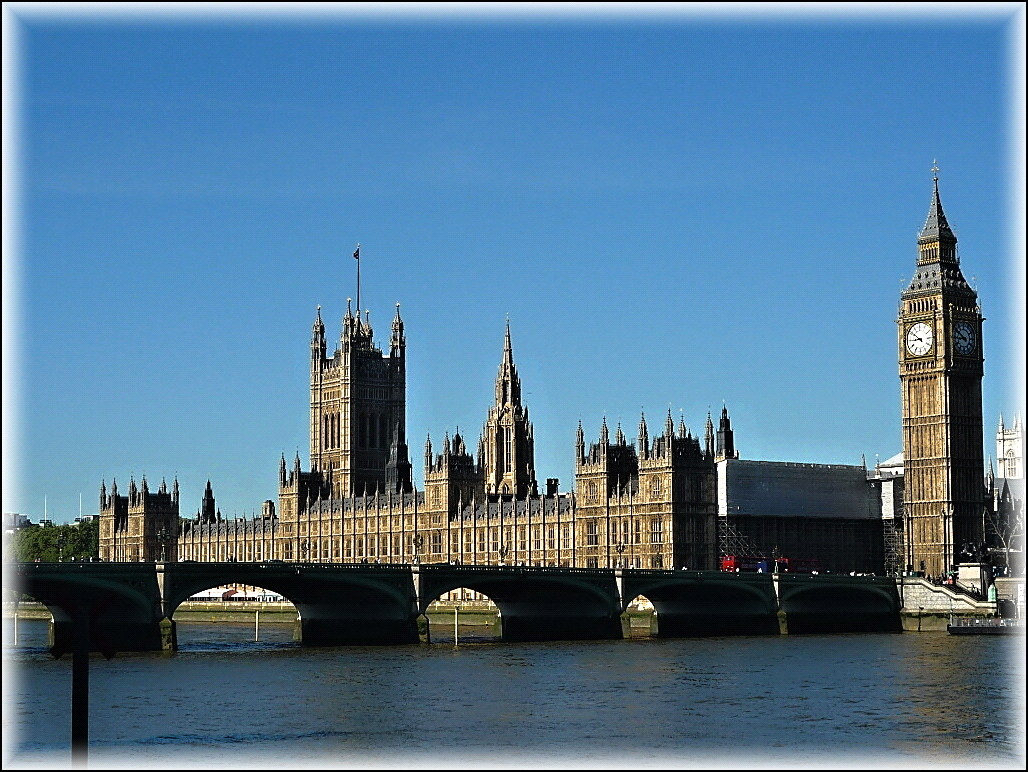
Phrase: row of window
x=691 y=488
x=655 y=561
x=630 y=532
x=487 y=539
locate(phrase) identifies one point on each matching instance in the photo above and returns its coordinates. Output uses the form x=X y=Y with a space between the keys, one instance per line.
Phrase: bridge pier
x=110 y=636
x=169 y=634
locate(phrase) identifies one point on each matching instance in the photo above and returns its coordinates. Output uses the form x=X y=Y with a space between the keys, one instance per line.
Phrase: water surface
x=224 y=700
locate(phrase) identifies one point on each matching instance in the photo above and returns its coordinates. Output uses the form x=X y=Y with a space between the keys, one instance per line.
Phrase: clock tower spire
x=941 y=368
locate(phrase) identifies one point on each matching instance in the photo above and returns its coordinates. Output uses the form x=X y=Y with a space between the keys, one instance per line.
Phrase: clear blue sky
x=675 y=211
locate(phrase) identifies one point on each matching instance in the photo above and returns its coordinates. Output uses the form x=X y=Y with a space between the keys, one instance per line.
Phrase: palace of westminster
x=667 y=499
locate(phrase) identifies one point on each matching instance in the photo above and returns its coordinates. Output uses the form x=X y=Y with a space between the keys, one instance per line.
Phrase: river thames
x=843 y=701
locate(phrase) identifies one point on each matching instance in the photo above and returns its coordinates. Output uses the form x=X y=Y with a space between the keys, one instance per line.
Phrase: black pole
x=80 y=691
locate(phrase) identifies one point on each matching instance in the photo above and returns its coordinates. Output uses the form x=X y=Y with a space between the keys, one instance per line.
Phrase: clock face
x=964 y=338
x=919 y=339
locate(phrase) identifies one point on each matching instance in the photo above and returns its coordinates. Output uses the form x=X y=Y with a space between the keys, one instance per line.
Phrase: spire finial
x=357 y=257
x=935 y=170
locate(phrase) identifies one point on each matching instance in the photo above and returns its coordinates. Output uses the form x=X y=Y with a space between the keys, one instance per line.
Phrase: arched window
x=656 y=531
x=656 y=488
x=1011 y=470
x=592 y=536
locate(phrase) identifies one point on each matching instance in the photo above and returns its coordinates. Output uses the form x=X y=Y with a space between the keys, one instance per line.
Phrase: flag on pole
x=357 y=253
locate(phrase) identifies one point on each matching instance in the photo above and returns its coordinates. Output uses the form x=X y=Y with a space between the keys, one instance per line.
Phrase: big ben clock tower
x=941 y=368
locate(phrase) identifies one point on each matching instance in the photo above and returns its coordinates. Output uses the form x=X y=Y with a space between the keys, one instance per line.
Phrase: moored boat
x=984 y=626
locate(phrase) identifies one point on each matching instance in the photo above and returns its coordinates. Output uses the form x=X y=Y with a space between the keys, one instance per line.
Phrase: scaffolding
x=734 y=543
x=894 y=551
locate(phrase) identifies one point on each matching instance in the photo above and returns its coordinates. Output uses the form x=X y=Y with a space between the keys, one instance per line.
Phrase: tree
x=1006 y=527
x=50 y=544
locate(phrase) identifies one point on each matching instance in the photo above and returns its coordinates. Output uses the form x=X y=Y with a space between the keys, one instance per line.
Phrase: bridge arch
x=535 y=603
x=462 y=615
x=121 y=606
x=693 y=603
x=336 y=604
x=843 y=606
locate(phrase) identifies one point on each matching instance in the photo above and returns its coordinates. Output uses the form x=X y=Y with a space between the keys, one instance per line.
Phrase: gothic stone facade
x=141 y=525
x=650 y=504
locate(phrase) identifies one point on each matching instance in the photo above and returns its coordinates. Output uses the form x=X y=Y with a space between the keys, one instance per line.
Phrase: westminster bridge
x=130 y=606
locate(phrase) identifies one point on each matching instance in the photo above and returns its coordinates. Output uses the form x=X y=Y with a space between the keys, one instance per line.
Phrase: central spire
x=936 y=226
x=509 y=458
x=508 y=385
x=938 y=266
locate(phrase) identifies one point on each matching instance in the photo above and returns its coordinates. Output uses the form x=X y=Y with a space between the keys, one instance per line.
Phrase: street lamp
x=619 y=548
x=162 y=538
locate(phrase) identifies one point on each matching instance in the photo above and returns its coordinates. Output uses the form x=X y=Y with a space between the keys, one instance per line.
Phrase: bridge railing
x=498 y=569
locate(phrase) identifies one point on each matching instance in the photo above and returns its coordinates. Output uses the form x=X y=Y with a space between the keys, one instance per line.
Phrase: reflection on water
x=873 y=700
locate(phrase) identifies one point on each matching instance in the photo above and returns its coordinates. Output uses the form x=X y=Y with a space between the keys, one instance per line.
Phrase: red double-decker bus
x=758 y=564
x=796 y=565
x=744 y=563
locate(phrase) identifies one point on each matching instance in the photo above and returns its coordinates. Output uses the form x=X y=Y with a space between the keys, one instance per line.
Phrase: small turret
x=643 y=440
x=725 y=437
x=208 y=510
x=398 y=469
x=397 y=343
x=318 y=346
